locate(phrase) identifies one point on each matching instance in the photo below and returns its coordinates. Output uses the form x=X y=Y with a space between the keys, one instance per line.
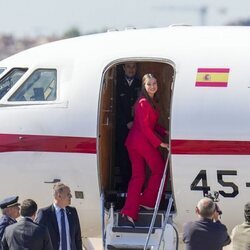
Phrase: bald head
x=205 y=208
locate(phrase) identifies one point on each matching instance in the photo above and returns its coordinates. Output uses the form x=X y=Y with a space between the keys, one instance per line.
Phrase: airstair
x=153 y=230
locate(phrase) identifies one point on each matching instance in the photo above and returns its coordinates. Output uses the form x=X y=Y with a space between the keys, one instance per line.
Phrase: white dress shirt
x=129 y=81
x=58 y=217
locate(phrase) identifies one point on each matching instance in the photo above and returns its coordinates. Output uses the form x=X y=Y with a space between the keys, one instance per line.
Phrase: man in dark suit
x=61 y=220
x=26 y=234
x=11 y=211
x=207 y=233
x=128 y=89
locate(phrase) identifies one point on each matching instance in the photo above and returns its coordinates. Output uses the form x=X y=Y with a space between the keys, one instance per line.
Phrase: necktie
x=63 y=231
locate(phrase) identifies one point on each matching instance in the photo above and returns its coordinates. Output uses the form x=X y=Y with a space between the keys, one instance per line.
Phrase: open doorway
x=110 y=173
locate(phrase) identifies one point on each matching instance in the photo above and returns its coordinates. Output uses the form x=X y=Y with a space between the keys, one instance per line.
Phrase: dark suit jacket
x=27 y=235
x=4 y=222
x=47 y=217
x=126 y=98
x=206 y=235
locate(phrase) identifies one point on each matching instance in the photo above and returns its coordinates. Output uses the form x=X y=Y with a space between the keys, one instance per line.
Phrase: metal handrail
x=170 y=202
x=157 y=204
x=111 y=221
x=103 y=220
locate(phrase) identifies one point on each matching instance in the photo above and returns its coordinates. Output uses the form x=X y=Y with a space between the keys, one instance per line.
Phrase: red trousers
x=136 y=196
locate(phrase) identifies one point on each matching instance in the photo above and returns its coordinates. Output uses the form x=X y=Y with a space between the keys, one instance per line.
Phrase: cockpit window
x=2 y=70
x=9 y=80
x=40 y=86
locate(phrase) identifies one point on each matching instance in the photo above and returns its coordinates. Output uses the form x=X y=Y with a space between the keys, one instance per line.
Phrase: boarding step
x=134 y=240
x=120 y=235
x=117 y=198
x=132 y=230
x=142 y=224
x=109 y=247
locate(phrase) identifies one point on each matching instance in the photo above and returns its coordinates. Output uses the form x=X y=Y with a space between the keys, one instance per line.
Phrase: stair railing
x=103 y=220
x=167 y=214
x=157 y=204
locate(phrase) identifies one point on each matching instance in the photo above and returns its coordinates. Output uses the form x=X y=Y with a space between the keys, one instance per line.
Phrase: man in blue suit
x=61 y=220
x=207 y=233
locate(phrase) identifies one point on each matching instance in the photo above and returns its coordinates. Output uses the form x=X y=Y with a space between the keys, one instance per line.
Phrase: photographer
x=207 y=232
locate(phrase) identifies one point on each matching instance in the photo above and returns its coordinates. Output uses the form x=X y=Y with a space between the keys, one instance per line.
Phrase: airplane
x=58 y=108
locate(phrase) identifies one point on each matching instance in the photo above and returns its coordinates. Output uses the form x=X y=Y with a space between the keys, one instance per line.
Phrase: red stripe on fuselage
x=210 y=147
x=68 y=144
x=44 y=143
x=213 y=70
x=211 y=84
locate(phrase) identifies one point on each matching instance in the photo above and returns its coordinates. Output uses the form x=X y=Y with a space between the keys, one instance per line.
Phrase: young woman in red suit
x=142 y=143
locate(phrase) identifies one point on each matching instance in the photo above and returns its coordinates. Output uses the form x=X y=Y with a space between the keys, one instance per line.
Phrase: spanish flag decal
x=212 y=77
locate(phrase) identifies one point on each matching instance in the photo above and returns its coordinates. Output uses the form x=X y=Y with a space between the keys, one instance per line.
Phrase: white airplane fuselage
x=209 y=118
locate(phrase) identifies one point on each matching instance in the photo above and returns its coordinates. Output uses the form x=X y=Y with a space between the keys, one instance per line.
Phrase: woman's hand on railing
x=164 y=145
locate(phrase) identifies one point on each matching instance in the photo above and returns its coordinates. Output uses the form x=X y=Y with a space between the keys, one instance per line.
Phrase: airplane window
x=9 y=80
x=40 y=86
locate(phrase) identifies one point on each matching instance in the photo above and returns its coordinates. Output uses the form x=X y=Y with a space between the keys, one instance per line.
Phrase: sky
x=54 y=17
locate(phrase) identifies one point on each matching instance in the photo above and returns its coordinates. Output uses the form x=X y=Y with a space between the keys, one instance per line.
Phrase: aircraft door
x=106 y=128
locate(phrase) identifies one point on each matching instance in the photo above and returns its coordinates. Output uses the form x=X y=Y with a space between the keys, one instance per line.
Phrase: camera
x=215 y=198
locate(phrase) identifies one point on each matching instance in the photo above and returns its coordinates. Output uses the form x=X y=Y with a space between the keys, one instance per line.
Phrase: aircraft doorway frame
x=164 y=71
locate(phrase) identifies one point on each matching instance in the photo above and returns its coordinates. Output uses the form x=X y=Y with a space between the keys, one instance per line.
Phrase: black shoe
x=127 y=221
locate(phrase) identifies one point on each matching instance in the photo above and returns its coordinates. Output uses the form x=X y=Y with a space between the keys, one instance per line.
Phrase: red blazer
x=145 y=126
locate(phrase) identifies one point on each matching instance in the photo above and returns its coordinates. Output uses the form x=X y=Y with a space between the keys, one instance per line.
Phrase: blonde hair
x=153 y=101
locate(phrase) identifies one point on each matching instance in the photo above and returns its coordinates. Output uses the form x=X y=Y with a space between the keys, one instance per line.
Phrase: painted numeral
x=202 y=176
x=203 y=186
x=223 y=183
